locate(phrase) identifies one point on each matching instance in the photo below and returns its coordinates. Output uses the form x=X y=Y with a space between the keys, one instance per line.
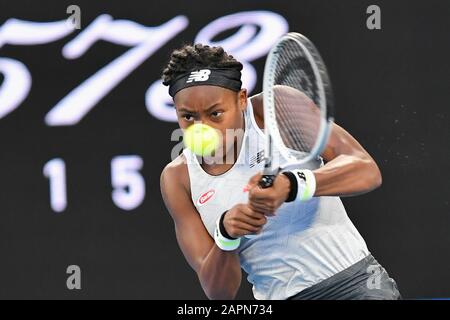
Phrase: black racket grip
x=267 y=181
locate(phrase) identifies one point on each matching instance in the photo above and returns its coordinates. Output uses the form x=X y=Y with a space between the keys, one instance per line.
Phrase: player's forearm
x=347 y=175
x=220 y=274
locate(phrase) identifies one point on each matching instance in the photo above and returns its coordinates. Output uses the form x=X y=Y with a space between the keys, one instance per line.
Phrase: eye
x=188 y=117
x=216 y=114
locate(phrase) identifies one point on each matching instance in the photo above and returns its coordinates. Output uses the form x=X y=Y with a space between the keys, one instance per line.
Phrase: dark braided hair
x=189 y=57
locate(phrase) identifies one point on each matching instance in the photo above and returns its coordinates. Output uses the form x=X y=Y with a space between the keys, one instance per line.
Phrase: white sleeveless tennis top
x=302 y=245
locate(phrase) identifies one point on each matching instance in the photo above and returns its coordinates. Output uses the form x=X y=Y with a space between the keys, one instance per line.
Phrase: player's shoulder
x=257 y=100
x=175 y=174
x=175 y=187
x=258 y=111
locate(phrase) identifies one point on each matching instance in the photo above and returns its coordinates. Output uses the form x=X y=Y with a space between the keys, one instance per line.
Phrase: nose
x=204 y=120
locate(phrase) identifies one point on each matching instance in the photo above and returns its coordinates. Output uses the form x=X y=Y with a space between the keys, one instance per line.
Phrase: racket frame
x=273 y=137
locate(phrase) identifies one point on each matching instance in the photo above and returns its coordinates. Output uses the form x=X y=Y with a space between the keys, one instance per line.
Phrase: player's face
x=217 y=107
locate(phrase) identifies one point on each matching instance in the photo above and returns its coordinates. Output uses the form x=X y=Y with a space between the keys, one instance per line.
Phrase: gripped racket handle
x=267 y=181
x=268 y=176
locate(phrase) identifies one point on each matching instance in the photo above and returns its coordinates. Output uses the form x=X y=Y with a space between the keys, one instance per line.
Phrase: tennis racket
x=298 y=105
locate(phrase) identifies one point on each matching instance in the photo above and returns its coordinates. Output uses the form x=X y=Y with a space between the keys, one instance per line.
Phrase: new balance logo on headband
x=201 y=75
x=225 y=78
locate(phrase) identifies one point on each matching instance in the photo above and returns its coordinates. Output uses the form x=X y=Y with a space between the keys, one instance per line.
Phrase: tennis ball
x=201 y=139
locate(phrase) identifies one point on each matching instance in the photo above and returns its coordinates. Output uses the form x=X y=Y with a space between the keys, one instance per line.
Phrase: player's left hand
x=268 y=200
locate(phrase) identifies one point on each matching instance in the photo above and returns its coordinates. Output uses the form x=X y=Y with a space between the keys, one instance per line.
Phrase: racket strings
x=295 y=90
x=286 y=122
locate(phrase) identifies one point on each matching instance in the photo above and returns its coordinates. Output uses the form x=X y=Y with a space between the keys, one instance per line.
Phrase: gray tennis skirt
x=365 y=280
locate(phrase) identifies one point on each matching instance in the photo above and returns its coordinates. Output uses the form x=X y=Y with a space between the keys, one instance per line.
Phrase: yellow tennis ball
x=201 y=139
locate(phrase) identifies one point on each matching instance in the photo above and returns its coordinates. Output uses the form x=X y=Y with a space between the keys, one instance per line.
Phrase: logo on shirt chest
x=205 y=197
x=256 y=158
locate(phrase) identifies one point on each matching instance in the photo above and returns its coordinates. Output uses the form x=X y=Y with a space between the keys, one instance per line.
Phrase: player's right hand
x=241 y=220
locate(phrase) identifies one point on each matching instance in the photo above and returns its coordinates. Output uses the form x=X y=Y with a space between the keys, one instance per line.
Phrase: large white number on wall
x=144 y=42
x=127 y=181
x=258 y=31
x=16 y=85
x=22 y=32
x=247 y=43
x=55 y=171
x=17 y=82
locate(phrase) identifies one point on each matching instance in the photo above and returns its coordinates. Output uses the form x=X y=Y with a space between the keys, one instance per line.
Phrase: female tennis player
x=303 y=247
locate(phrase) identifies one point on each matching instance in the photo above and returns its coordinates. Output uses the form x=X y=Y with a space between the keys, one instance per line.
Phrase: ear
x=242 y=99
